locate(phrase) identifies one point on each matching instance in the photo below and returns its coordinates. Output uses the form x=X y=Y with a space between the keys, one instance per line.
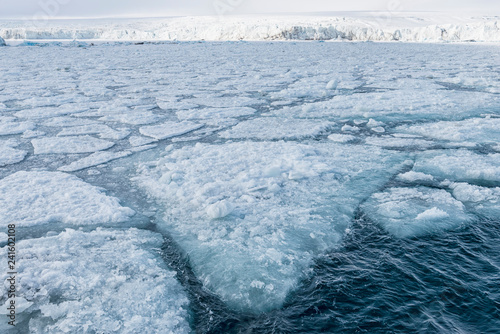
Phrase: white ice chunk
x=374 y=124
x=341 y=138
x=65 y=121
x=133 y=117
x=412 y=176
x=277 y=128
x=78 y=144
x=105 y=281
x=460 y=165
x=46 y=112
x=11 y=127
x=169 y=129
x=94 y=159
x=211 y=113
x=140 y=140
x=225 y=102
x=332 y=84
x=378 y=129
x=31 y=198
x=389 y=141
x=8 y=154
x=102 y=130
x=350 y=128
x=485 y=201
x=477 y=130
x=409 y=212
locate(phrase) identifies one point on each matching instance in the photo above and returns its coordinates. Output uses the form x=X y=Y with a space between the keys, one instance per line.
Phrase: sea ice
x=460 y=165
x=102 y=130
x=8 y=154
x=76 y=144
x=31 y=198
x=409 y=212
x=169 y=129
x=8 y=126
x=105 y=281
x=134 y=118
x=94 y=159
x=277 y=128
x=211 y=113
x=477 y=130
x=482 y=200
x=246 y=211
x=412 y=176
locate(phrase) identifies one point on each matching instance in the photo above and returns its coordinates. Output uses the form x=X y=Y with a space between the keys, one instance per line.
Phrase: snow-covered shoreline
x=384 y=27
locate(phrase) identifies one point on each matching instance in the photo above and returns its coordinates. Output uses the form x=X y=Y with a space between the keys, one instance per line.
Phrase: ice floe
x=32 y=198
x=73 y=144
x=94 y=159
x=476 y=130
x=277 y=128
x=409 y=212
x=105 y=281
x=9 y=154
x=246 y=212
x=460 y=165
x=169 y=129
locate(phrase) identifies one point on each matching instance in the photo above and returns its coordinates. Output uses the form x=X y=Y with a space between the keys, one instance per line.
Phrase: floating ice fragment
x=219 y=210
x=277 y=128
x=412 y=176
x=350 y=128
x=77 y=144
x=94 y=159
x=408 y=212
x=332 y=84
x=9 y=155
x=169 y=129
x=31 y=198
x=105 y=281
x=280 y=194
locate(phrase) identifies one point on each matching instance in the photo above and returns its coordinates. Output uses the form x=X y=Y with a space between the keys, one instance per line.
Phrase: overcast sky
x=131 y=8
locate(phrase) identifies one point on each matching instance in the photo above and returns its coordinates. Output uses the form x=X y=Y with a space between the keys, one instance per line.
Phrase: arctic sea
x=251 y=187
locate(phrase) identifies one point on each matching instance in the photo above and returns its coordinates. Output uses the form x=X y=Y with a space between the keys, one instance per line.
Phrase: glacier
x=367 y=26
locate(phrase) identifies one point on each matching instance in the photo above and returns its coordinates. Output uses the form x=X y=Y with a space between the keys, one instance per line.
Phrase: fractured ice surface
x=252 y=215
x=10 y=155
x=211 y=113
x=94 y=159
x=477 y=130
x=102 y=130
x=169 y=129
x=73 y=144
x=485 y=201
x=8 y=126
x=105 y=281
x=460 y=165
x=135 y=117
x=408 y=212
x=277 y=128
x=31 y=198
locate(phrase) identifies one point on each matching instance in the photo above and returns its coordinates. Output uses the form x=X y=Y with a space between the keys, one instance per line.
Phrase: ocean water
x=252 y=187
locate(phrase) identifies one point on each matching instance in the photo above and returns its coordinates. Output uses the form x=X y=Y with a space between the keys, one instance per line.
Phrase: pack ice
x=105 y=281
x=252 y=215
x=34 y=198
